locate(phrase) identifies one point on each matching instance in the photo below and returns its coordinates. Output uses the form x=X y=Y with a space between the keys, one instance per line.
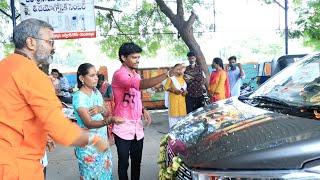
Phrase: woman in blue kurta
x=91 y=115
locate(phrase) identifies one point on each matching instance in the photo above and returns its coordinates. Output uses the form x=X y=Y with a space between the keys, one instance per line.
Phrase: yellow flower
x=175 y=165
x=162 y=149
x=167 y=172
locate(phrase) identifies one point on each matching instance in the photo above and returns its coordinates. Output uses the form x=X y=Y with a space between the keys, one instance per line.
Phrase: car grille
x=184 y=173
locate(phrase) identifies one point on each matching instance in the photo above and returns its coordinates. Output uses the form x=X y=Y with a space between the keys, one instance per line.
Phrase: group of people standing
x=31 y=112
x=225 y=82
x=120 y=103
x=186 y=89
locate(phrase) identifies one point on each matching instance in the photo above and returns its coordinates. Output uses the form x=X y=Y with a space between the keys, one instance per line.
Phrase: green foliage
x=5 y=20
x=4 y=5
x=179 y=49
x=70 y=60
x=5 y=38
x=189 y=4
x=146 y=25
x=72 y=56
x=3 y=23
x=308 y=22
x=8 y=48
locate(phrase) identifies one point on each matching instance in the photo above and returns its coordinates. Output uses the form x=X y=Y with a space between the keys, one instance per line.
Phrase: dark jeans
x=45 y=172
x=194 y=103
x=126 y=148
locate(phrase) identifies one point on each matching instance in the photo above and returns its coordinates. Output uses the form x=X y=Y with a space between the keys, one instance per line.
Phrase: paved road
x=63 y=165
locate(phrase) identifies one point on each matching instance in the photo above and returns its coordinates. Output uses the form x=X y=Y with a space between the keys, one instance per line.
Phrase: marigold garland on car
x=167 y=172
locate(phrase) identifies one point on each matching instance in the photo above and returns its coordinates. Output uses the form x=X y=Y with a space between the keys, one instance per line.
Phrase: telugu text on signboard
x=69 y=18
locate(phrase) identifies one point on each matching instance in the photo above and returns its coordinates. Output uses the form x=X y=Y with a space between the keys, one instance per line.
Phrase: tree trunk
x=185 y=30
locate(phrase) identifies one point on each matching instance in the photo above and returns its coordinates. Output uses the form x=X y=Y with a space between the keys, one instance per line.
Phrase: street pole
x=13 y=13
x=286 y=31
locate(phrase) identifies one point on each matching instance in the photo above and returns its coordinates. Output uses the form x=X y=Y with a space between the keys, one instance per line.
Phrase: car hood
x=232 y=135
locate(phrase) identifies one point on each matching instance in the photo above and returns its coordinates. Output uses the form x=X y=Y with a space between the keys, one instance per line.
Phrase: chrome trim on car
x=268 y=174
x=184 y=173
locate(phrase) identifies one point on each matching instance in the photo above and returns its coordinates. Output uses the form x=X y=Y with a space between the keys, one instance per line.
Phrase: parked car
x=279 y=63
x=272 y=134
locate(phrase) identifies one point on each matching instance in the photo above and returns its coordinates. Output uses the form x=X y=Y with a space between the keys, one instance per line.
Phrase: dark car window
x=297 y=85
x=282 y=62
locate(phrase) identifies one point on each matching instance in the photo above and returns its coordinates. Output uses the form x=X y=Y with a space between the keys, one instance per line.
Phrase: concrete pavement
x=63 y=164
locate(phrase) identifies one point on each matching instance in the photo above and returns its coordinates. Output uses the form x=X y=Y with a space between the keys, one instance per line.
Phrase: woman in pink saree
x=219 y=87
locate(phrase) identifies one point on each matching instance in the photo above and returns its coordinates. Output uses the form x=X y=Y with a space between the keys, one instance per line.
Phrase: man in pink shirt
x=126 y=86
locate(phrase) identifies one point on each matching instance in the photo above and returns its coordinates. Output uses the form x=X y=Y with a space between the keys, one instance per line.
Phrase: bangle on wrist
x=106 y=123
x=104 y=110
x=168 y=74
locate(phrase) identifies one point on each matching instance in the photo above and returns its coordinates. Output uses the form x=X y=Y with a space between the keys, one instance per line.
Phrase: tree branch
x=5 y=13
x=278 y=4
x=159 y=14
x=191 y=19
x=107 y=9
x=149 y=17
x=165 y=9
x=180 y=11
x=114 y=19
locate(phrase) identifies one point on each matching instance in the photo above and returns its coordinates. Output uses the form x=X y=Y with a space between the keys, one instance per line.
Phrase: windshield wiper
x=315 y=107
x=242 y=97
x=271 y=100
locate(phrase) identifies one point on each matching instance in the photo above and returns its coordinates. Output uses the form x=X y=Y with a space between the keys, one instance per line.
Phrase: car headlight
x=267 y=175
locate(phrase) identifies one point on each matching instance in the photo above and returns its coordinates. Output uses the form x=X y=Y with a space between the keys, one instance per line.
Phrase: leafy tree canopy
x=308 y=22
x=143 y=23
x=5 y=21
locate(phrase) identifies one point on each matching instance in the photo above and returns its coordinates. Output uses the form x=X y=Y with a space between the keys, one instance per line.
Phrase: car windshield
x=297 y=85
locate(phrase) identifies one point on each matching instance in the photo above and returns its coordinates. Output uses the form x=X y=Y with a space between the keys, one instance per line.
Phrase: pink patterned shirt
x=128 y=104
